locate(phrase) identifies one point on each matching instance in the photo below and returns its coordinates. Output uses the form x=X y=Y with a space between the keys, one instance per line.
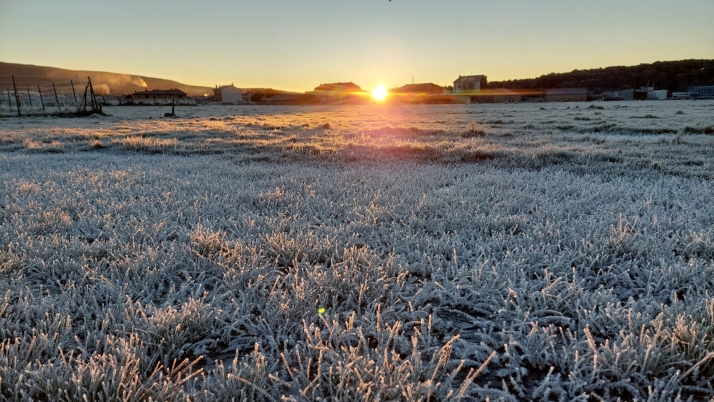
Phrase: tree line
x=670 y=75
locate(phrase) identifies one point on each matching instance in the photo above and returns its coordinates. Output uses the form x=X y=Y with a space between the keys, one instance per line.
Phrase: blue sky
x=297 y=45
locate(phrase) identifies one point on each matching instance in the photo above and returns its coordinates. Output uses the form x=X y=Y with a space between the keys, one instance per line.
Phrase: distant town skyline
x=298 y=45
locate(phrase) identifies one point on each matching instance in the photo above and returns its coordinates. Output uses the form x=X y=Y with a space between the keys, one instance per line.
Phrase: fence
x=157 y=101
x=34 y=95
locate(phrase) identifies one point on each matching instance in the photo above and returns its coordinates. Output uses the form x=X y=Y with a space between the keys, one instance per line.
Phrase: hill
x=104 y=82
x=671 y=75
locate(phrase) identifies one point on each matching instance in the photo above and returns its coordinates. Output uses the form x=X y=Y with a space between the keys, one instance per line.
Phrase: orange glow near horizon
x=379 y=93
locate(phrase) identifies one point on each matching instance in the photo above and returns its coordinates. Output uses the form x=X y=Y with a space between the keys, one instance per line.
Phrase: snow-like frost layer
x=569 y=264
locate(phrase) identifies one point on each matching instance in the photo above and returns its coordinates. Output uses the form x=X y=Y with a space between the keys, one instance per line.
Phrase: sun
x=379 y=93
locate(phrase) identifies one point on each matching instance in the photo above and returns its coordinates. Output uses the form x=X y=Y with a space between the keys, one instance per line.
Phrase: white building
x=468 y=83
x=228 y=94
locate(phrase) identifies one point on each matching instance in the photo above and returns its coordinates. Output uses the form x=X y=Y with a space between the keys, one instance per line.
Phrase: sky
x=299 y=44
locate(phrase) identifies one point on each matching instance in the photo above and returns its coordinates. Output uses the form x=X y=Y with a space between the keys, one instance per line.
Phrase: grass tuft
x=474 y=130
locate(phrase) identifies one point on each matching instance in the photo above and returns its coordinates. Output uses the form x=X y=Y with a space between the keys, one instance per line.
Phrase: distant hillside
x=104 y=83
x=671 y=75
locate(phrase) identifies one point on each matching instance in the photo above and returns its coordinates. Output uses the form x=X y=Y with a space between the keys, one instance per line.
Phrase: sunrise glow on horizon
x=297 y=45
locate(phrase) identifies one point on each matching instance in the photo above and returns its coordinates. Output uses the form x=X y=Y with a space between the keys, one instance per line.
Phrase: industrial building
x=706 y=91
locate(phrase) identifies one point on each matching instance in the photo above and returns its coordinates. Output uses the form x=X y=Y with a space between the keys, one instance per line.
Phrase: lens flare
x=379 y=93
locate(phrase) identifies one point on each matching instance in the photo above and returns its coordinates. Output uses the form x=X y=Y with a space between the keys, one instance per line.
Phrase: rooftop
x=418 y=88
x=339 y=86
x=469 y=78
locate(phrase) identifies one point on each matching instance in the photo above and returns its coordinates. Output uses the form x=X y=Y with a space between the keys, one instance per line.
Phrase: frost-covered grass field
x=533 y=251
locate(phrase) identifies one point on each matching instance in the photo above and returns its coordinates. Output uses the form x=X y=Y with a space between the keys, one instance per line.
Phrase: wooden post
x=29 y=97
x=94 y=99
x=41 y=100
x=17 y=96
x=73 y=93
x=84 y=98
x=56 y=98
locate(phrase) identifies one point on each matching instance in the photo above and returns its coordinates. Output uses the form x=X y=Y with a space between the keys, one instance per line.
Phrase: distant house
x=427 y=88
x=469 y=83
x=496 y=95
x=418 y=93
x=339 y=92
x=229 y=94
x=566 y=95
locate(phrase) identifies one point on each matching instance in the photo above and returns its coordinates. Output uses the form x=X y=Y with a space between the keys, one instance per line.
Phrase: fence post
x=29 y=97
x=41 y=100
x=17 y=96
x=73 y=93
x=94 y=98
x=56 y=98
x=84 y=98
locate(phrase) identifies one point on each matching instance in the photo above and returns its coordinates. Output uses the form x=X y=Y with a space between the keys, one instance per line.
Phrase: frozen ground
x=533 y=251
